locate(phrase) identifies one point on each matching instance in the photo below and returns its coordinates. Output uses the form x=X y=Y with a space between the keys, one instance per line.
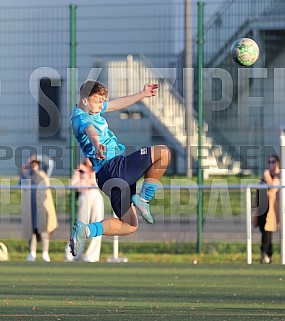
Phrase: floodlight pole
x=200 y=121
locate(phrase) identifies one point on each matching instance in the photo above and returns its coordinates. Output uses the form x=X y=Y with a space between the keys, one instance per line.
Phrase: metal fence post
x=282 y=210
x=72 y=104
x=115 y=258
x=248 y=225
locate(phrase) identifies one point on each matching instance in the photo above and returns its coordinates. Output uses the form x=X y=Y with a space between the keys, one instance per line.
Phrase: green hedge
x=212 y=248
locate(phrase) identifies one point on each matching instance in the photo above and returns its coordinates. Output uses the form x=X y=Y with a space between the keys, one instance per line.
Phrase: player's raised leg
x=160 y=156
x=128 y=224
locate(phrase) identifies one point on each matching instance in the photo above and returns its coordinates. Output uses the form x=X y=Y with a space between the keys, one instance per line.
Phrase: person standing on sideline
x=267 y=208
x=43 y=220
x=46 y=163
x=90 y=209
x=116 y=173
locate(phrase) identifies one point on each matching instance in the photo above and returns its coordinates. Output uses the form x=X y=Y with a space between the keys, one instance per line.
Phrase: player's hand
x=149 y=89
x=100 y=152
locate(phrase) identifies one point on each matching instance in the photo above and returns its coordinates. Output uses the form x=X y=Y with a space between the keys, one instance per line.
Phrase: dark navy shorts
x=118 y=178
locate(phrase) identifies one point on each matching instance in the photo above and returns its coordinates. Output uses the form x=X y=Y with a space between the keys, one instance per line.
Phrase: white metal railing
x=127 y=76
x=246 y=188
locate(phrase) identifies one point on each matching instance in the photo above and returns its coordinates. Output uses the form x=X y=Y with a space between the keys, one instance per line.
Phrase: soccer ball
x=245 y=51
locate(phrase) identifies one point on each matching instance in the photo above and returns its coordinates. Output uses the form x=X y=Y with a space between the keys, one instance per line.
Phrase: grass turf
x=141 y=291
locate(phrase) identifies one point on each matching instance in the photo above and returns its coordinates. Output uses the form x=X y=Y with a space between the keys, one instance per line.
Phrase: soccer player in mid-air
x=116 y=173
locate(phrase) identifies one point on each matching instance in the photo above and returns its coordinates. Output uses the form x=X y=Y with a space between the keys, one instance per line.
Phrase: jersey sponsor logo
x=143 y=151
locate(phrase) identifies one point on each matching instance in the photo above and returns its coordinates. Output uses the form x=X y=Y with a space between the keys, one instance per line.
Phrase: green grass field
x=141 y=291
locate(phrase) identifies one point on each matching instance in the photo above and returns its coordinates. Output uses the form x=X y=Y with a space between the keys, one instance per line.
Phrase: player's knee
x=162 y=153
x=130 y=229
x=165 y=155
x=133 y=229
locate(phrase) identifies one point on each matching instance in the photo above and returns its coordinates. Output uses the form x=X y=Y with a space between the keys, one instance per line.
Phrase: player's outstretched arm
x=124 y=102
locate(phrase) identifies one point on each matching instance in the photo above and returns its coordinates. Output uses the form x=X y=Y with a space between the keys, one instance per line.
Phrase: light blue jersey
x=79 y=120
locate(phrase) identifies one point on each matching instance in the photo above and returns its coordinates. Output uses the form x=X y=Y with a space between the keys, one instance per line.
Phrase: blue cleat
x=142 y=208
x=78 y=237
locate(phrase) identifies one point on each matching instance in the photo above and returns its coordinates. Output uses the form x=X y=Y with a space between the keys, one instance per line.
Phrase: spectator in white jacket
x=90 y=209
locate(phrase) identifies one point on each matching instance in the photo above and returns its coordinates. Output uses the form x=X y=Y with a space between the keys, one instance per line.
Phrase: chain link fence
x=243 y=107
